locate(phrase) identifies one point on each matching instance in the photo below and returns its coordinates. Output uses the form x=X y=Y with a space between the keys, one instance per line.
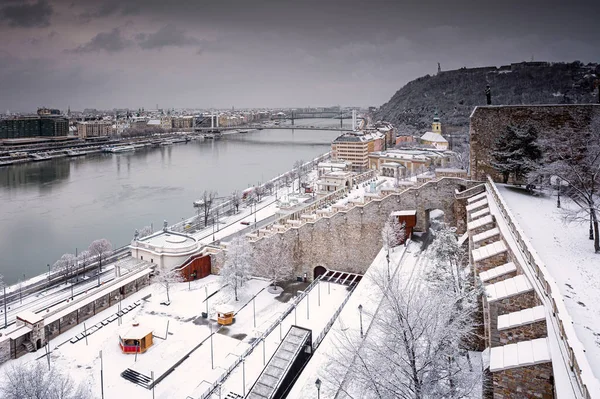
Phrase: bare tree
x=83 y=258
x=206 y=203
x=269 y=187
x=392 y=234
x=34 y=381
x=573 y=159
x=166 y=278
x=237 y=268
x=412 y=349
x=65 y=265
x=299 y=172
x=100 y=250
x=260 y=192
x=236 y=200
x=273 y=259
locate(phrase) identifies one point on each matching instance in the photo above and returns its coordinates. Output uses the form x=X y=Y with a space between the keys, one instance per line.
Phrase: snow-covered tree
x=392 y=234
x=167 y=277
x=83 y=258
x=35 y=381
x=237 y=268
x=269 y=187
x=259 y=192
x=299 y=172
x=144 y=231
x=65 y=265
x=236 y=200
x=515 y=152
x=413 y=348
x=573 y=159
x=273 y=259
x=100 y=250
x=206 y=203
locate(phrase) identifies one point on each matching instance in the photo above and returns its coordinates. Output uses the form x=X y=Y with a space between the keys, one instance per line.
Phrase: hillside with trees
x=455 y=93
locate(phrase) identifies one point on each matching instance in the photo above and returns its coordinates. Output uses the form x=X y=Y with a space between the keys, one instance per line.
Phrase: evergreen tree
x=516 y=152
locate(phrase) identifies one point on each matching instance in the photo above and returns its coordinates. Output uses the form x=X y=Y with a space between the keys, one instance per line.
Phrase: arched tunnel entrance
x=319 y=270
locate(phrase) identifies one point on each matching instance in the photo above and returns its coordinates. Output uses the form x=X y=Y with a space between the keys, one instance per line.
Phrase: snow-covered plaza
x=180 y=357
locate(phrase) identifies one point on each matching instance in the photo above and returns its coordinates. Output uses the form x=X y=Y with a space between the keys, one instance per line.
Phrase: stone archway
x=38 y=344
x=318 y=271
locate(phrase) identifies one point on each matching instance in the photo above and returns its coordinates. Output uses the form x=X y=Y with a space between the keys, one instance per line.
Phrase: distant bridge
x=260 y=127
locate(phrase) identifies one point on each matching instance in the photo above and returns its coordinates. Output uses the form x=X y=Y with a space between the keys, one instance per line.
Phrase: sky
x=108 y=54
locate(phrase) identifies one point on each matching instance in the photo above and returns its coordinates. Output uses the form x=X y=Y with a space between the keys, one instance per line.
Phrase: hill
x=455 y=93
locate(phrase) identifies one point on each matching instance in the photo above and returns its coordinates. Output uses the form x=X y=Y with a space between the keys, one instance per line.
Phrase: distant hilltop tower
x=439 y=68
x=436 y=125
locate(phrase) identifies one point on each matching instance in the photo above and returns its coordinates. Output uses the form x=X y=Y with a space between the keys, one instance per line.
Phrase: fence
x=216 y=385
x=588 y=384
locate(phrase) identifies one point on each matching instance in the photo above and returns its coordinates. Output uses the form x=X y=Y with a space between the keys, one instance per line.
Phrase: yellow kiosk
x=225 y=315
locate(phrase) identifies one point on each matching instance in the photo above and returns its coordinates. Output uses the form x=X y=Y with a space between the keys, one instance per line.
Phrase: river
x=53 y=207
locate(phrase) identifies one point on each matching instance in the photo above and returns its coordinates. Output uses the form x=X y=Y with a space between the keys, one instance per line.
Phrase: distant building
x=356 y=147
x=435 y=137
x=412 y=160
x=48 y=112
x=183 y=122
x=94 y=129
x=333 y=181
x=33 y=126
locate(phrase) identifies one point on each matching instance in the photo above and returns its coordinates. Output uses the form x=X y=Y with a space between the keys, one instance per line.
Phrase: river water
x=53 y=207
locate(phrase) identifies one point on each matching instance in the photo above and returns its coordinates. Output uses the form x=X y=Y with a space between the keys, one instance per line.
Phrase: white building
x=165 y=248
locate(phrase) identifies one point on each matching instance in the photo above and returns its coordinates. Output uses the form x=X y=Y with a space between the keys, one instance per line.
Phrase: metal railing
x=578 y=363
x=214 y=386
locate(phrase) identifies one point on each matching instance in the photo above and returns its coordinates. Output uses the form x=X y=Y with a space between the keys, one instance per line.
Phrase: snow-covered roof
x=486 y=234
x=30 y=317
x=433 y=137
x=487 y=251
x=135 y=332
x=521 y=354
x=404 y=213
x=225 y=308
x=497 y=271
x=507 y=288
x=522 y=317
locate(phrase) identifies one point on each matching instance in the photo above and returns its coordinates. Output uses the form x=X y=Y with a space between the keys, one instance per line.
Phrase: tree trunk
x=596 y=238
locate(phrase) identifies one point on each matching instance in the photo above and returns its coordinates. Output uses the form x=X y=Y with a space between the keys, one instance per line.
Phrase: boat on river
x=119 y=149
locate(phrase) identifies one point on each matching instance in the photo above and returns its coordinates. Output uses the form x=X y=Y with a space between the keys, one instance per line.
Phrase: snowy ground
x=570 y=258
x=186 y=330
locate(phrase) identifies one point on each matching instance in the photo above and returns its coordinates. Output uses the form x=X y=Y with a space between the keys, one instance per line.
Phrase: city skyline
x=181 y=54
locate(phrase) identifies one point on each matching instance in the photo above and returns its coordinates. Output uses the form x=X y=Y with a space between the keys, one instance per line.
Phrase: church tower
x=436 y=126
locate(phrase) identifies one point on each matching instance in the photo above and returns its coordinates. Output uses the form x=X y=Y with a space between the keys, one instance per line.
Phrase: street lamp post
x=360 y=315
x=212 y=362
x=318 y=385
x=254 y=311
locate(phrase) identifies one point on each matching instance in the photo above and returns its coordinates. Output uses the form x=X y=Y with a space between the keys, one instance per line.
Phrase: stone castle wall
x=489 y=122
x=534 y=381
x=349 y=240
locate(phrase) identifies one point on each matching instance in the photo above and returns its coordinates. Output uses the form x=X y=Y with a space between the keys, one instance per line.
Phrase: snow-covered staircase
x=29 y=346
x=514 y=321
x=137 y=378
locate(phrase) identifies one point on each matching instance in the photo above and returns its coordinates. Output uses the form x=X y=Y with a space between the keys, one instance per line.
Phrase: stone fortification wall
x=534 y=381
x=349 y=239
x=489 y=122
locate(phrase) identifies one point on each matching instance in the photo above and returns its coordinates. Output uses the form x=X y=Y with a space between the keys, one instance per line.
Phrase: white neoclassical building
x=165 y=248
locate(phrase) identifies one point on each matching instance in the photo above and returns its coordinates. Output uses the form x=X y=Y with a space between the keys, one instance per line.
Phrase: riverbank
x=60 y=205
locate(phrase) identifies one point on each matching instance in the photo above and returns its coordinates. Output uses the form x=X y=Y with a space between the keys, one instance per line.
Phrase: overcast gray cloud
x=27 y=15
x=110 y=42
x=186 y=53
x=168 y=35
